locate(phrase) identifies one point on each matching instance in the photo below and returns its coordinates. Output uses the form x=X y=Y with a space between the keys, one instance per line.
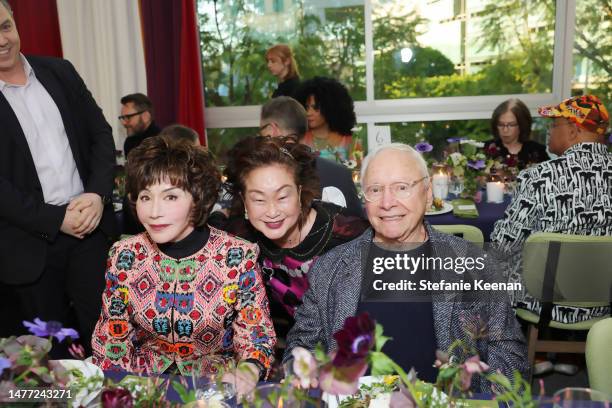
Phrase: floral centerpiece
x=360 y=344
x=470 y=164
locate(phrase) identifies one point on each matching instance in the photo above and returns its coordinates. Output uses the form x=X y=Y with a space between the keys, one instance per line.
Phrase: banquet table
x=488 y=213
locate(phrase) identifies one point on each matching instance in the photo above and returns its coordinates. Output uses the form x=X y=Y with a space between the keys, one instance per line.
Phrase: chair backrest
x=599 y=356
x=467 y=232
x=568 y=269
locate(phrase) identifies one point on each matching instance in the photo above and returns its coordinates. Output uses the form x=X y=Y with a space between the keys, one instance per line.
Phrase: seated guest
x=284 y=116
x=282 y=65
x=511 y=128
x=331 y=117
x=137 y=119
x=582 y=173
x=181 y=296
x=180 y=132
x=398 y=192
x=274 y=185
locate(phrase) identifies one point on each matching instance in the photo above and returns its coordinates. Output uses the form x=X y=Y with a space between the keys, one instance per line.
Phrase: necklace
x=320 y=144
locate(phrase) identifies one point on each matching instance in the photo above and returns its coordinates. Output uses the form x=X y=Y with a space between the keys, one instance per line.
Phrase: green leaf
x=500 y=379
x=185 y=394
x=379 y=338
x=381 y=364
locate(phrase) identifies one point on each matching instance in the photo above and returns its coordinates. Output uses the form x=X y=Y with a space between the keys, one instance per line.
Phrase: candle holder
x=495 y=188
x=439 y=181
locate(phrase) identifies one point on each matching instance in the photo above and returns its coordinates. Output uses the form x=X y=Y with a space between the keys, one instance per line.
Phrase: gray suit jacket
x=335 y=286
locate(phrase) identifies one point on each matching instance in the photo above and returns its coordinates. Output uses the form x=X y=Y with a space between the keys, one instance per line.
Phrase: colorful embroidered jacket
x=197 y=312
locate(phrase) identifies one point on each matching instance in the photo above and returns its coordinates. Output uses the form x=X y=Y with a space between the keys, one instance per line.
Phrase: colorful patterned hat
x=586 y=111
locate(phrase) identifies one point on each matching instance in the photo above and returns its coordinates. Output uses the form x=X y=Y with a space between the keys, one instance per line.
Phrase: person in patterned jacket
x=570 y=194
x=181 y=296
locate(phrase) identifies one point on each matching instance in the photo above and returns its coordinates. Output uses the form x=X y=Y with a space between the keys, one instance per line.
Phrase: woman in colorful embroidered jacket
x=274 y=184
x=181 y=295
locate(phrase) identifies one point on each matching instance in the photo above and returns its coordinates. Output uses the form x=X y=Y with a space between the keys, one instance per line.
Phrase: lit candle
x=440 y=185
x=495 y=192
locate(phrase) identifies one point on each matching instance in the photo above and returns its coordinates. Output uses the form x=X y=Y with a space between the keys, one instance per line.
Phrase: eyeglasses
x=510 y=125
x=400 y=190
x=130 y=115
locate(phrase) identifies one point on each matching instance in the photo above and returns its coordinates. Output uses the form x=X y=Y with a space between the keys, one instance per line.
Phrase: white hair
x=402 y=147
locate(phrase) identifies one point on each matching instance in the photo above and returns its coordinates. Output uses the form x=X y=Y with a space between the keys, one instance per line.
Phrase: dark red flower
x=511 y=161
x=492 y=150
x=355 y=340
x=117 y=398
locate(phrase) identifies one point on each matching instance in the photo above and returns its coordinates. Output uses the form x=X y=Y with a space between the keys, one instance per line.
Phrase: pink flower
x=305 y=367
x=472 y=366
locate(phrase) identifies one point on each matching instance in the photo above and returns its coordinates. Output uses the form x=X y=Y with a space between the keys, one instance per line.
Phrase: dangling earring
x=246 y=214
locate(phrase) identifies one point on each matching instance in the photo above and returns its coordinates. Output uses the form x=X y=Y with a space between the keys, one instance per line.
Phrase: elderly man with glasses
x=394 y=272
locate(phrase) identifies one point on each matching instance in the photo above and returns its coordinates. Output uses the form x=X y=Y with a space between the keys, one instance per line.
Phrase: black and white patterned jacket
x=571 y=194
x=335 y=284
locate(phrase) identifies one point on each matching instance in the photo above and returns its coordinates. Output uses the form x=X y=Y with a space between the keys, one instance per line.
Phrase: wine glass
x=576 y=397
x=455 y=187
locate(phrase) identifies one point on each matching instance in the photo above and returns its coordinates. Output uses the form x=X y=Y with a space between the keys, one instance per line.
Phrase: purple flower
x=355 y=340
x=455 y=139
x=423 y=147
x=4 y=363
x=610 y=138
x=116 y=398
x=50 y=328
x=342 y=380
x=476 y=165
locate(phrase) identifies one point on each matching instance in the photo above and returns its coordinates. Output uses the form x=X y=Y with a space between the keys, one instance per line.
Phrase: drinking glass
x=574 y=397
x=455 y=187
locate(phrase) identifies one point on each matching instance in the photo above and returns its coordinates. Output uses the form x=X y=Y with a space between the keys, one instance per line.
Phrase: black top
x=531 y=152
x=407 y=316
x=287 y=87
x=134 y=140
x=187 y=246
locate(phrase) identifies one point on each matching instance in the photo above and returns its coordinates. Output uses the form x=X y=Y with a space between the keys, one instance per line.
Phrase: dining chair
x=599 y=356
x=564 y=270
x=467 y=232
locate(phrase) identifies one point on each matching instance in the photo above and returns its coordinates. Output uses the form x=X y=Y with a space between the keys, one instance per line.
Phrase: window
x=408 y=62
x=593 y=50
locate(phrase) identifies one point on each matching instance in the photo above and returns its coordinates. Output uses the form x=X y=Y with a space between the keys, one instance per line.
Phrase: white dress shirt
x=44 y=131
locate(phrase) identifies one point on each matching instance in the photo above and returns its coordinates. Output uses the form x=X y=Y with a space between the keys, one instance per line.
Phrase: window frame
x=372 y=111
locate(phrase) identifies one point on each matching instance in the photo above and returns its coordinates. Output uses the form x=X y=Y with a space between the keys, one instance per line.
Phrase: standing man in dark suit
x=56 y=180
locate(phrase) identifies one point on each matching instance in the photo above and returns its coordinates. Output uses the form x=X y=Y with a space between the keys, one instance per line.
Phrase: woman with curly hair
x=275 y=187
x=511 y=128
x=181 y=296
x=282 y=65
x=331 y=117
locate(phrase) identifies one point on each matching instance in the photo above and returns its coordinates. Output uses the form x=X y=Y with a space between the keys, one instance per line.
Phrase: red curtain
x=38 y=27
x=172 y=56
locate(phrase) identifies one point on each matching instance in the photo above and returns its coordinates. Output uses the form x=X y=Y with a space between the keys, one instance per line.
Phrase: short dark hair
x=180 y=132
x=335 y=103
x=188 y=167
x=141 y=102
x=7 y=5
x=259 y=151
x=520 y=111
x=288 y=113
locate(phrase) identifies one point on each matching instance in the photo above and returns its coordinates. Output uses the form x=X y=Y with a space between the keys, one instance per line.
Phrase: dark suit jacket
x=27 y=224
x=336 y=175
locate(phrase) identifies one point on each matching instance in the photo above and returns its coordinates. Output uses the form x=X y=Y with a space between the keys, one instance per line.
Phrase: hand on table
x=244 y=378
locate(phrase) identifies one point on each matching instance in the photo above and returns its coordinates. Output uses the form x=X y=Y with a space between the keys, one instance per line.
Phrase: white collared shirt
x=43 y=127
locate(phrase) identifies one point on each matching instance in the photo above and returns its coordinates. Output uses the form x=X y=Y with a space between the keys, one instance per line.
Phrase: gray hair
x=422 y=164
x=288 y=113
x=6 y=4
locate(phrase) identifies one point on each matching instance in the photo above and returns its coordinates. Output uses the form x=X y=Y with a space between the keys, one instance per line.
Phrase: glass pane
x=593 y=50
x=327 y=38
x=221 y=140
x=428 y=48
